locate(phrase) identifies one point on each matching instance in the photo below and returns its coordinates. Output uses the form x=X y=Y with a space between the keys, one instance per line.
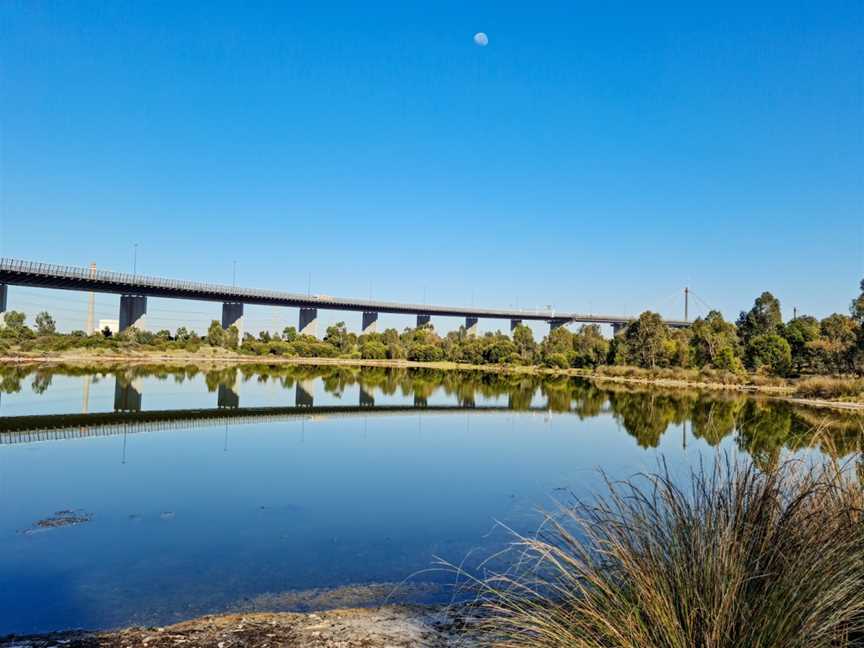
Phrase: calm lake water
x=151 y=495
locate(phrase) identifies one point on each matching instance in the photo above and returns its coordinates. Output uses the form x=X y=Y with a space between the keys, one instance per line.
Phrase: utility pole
x=686 y=304
x=91 y=304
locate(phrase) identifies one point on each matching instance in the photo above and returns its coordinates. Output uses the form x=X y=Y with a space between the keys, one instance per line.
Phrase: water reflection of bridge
x=54 y=427
x=129 y=416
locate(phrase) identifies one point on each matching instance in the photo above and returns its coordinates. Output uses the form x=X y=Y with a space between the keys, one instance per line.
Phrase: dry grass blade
x=739 y=558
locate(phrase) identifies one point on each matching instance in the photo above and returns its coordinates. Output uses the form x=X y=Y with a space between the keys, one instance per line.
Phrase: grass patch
x=739 y=558
x=830 y=387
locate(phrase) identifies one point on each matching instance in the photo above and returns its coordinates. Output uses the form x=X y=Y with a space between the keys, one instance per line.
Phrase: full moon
x=481 y=39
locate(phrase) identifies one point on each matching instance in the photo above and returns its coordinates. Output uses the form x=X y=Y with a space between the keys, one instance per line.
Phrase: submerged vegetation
x=759 y=343
x=738 y=558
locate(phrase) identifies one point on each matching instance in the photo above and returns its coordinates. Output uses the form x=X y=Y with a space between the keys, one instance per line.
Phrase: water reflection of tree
x=646 y=415
x=764 y=427
x=714 y=419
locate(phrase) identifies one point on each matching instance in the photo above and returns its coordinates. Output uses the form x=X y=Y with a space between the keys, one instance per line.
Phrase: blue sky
x=594 y=156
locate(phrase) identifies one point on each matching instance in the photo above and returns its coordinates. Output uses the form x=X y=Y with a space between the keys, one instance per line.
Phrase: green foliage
x=373 y=350
x=759 y=341
x=857 y=307
x=45 y=324
x=14 y=326
x=589 y=347
x=769 y=352
x=215 y=334
x=765 y=317
x=646 y=341
x=714 y=343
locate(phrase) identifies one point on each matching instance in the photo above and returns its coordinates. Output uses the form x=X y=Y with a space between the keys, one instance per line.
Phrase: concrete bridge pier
x=4 y=294
x=127 y=397
x=423 y=320
x=618 y=327
x=366 y=399
x=514 y=324
x=471 y=326
x=370 y=322
x=133 y=308
x=232 y=315
x=308 y=321
x=554 y=324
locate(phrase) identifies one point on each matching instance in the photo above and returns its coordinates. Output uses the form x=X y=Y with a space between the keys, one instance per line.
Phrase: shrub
x=737 y=558
x=557 y=360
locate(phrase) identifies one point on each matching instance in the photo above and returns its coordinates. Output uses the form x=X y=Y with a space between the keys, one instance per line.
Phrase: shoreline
x=784 y=392
x=389 y=626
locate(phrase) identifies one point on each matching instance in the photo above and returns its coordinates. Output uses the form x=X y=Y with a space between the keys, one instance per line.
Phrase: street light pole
x=234 y=276
x=135 y=262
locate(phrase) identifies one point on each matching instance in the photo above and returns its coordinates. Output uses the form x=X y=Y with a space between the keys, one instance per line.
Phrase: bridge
x=56 y=427
x=134 y=289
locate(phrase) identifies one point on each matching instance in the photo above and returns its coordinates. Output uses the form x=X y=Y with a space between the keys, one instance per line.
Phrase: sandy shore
x=384 y=627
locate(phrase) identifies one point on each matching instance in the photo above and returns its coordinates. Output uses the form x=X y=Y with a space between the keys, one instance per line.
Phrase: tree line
x=758 y=341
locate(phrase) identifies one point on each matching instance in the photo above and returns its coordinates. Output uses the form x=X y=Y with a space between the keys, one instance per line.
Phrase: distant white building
x=112 y=325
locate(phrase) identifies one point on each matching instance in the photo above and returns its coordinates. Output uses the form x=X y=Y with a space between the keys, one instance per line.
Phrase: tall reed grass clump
x=830 y=387
x=736 y=558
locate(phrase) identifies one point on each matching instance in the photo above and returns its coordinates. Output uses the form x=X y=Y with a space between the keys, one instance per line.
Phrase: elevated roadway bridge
x=134 y=289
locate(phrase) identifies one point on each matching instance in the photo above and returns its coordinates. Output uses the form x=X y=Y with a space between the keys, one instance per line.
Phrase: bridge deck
x=30 y=273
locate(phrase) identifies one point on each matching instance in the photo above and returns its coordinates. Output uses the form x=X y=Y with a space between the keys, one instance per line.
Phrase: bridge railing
x=132 y=280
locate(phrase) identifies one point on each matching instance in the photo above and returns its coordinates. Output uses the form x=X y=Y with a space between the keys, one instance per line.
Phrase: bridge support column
x=423 y=320
x=4 y=293
x=308 y=321
x=471 y=326
x=366 y=399
x=514 y=324
x=370 y=322
x=133 y=308
x=232 y=315
x=554 y=324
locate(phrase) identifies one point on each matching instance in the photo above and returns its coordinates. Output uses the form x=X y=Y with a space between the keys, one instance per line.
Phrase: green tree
x=800 y=333
x=14 y=320
x=45 y=324
x=857 y=308
x=770 y=352
x=590 y=348
x=646 y=338
x=714 y=343
x=215 y=334
x=231 y=339
x=373 y=350
x=289 y=333
x=338 y=336
x=765 y=317
x=526 y=347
